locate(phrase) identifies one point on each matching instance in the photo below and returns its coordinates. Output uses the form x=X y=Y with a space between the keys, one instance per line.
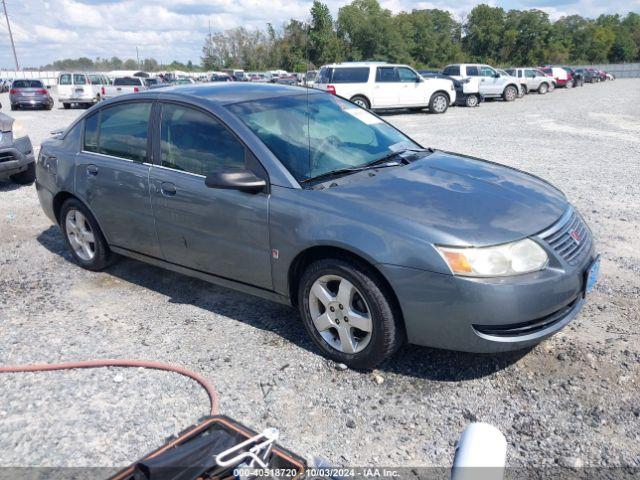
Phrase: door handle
x=168 y=189
x=92 y=170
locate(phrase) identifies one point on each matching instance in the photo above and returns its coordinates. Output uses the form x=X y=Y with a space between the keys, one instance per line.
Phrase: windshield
x=334 y=135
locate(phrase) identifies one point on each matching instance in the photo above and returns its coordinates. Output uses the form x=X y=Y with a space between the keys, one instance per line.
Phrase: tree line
x=363 y=30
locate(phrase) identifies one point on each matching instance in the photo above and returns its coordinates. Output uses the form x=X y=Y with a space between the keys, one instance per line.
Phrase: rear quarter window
x=350 y=75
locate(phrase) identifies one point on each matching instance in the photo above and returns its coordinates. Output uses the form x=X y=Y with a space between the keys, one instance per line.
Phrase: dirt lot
x=571 y=400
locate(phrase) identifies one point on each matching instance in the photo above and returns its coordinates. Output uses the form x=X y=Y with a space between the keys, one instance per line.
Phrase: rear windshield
x=96 y=79
x=127 y=81
x=28 y=84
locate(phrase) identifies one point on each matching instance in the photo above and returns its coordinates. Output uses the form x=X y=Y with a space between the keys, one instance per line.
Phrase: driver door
x=491 y=80
x=216 y=231
x=412 y=90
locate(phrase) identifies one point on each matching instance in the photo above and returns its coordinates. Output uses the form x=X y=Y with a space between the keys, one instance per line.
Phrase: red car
x=560 y=75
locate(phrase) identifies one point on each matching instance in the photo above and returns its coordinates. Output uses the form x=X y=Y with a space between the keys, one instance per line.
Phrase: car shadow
x=415 y=361
x=9 y=186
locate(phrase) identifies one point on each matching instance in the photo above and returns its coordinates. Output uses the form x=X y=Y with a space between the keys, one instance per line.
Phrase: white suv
x=492 y=83
x=375 y=85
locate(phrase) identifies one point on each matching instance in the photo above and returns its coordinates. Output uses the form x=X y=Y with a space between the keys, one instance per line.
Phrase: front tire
x=439 y=103
x=569 y=84
x=543 y=88
x=361 y=102
x=83 y=236
x=349 y=312
x=510 y=93
x=26 y=177
x=66 y=106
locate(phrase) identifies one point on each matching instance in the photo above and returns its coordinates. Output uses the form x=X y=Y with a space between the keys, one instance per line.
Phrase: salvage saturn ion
x=302 y=197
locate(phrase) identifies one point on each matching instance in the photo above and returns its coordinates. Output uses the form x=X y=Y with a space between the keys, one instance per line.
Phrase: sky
x=47 y=30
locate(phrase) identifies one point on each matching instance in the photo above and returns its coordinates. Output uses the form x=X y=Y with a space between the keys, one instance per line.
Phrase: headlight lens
x=509 y=259
x=19 y=130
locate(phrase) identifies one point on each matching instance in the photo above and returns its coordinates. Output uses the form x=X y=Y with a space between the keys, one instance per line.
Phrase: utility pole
x=138 y=57
x=13 y=45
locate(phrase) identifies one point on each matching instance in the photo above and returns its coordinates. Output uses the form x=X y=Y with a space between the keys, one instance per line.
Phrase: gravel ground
x=573 y=399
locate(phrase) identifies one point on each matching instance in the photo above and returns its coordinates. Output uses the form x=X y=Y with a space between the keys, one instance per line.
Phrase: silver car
x=532 y=80
x=17 y=162
x=29 y=93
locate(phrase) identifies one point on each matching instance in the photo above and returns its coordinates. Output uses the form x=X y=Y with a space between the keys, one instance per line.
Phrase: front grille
x=569 y=238
x=7 y=157
x=527 y=328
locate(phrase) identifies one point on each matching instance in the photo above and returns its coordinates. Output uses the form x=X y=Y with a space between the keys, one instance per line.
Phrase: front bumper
x=488 y=315
x=15 y=158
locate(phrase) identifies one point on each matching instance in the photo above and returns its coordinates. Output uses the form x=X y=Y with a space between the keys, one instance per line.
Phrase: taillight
x=13 y=91
x=331 y=89
x=103 y=91
x=136 y=89
x=41 y=91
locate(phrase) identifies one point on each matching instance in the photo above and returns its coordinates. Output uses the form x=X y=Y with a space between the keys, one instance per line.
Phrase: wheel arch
x=448 y=95
x=63 y=196
x=362 y=95
x=319 y=252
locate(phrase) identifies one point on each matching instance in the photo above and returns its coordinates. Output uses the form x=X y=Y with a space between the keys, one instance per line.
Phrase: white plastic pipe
x=481 y=454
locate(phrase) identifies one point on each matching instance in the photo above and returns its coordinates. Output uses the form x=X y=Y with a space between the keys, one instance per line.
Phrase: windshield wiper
x=378 y=163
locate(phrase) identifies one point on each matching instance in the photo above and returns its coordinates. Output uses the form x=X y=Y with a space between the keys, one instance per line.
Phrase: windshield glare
x=315 y=134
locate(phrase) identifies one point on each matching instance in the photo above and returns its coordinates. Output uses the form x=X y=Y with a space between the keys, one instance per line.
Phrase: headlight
x=502 y=260
x=19 y=130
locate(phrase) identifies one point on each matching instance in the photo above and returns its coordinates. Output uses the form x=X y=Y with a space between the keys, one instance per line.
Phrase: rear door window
x=79 y=79
x=65 y=79
x=472 y=71
x=195 y=142
x=119 y=131
x=387 y=75
x=350 y=75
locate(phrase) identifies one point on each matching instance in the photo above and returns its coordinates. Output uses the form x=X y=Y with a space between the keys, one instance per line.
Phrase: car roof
x=234 y=92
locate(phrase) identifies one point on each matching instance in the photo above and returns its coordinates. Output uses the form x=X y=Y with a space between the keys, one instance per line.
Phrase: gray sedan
x=29 y=93
x=303 y=198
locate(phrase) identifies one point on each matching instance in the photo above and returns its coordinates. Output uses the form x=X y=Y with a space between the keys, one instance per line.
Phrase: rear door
x=112 y=175
x=65 y=86
x=220 y=232
x=387 y=88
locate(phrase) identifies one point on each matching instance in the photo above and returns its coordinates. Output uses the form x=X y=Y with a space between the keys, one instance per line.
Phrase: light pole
x=13 y=46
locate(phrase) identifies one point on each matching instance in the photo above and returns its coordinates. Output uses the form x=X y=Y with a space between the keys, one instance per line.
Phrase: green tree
x=484 y=31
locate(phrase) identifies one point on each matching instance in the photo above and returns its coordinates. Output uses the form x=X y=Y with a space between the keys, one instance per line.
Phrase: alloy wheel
x=472 y=101
x=440 y=104
x=340 y=314
x=80 y=235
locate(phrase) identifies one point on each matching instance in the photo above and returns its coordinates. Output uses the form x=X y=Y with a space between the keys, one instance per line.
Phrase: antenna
x=13 y=45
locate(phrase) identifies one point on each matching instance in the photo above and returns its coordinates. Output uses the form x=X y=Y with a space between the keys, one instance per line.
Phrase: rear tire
x=439 y=103
x=367 y=298
x=14 y=107
x=361 y=102
x=510 y=93
x=26 y=177
x=569 y=84
x=81 y=230
x=472 y=101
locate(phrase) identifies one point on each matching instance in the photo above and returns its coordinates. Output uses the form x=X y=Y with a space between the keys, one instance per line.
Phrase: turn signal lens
x=515 y=258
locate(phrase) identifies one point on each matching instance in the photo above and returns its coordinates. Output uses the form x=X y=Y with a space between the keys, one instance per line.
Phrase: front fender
x=297 y=223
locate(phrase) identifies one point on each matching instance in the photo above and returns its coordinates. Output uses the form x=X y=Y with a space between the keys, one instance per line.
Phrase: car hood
x=452 y=199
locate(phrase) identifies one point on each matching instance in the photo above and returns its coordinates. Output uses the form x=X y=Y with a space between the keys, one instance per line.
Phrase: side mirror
x=235 y=179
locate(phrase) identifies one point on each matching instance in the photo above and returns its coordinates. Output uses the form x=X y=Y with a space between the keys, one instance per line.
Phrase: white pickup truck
x=122 y=85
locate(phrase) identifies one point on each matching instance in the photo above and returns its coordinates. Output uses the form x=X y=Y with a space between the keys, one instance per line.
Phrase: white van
x=75 y=88
x=380 y=85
